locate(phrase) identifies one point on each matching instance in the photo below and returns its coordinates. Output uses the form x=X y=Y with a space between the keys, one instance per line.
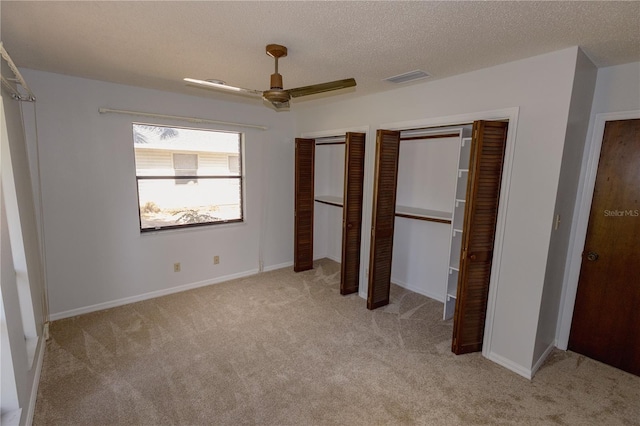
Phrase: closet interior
x=411 y=234
x=470 y=222
x=328 y=204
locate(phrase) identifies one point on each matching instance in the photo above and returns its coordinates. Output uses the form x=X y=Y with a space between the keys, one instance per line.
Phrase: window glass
x=187 y=177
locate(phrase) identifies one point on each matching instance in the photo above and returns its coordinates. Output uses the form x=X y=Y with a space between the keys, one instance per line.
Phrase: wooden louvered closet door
x=304 y=202
x=352 y=212
x=383 y=220
x=481 y=211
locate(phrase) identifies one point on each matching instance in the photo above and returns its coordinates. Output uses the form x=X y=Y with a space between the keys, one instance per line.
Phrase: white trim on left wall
x=42 y=345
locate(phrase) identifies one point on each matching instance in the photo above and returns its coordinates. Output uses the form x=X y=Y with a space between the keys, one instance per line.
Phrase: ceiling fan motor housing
x=276 y=81
x=276 y=95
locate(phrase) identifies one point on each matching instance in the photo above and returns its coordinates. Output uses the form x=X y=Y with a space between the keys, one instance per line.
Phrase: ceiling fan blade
x=322 y=87
x=221 y=86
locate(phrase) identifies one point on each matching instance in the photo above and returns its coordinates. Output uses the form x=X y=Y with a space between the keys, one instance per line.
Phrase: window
x=187 y=177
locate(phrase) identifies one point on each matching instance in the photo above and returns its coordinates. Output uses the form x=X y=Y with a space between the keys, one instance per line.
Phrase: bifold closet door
x=481 y=212
x=304 y=202
x=383 y=219
x=352 y=212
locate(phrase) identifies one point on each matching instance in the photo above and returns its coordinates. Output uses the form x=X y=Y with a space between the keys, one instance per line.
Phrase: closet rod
x=442 y=135
x=30 y=97
x=330 y=143
x=178 y=117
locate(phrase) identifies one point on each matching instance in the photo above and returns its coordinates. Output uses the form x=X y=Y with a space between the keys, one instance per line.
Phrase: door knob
x=591 y=256
x=349 y=225
x=473 y=257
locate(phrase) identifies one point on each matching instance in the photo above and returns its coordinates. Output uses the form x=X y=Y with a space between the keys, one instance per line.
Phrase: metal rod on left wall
x=19 y=79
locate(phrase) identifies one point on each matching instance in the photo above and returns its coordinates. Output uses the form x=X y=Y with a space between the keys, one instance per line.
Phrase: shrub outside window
x=187 y=177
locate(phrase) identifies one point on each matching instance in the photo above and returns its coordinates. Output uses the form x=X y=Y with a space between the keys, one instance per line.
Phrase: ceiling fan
x=276 y=95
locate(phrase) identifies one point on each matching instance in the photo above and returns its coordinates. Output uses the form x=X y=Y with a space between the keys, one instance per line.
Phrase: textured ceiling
x=156 y=44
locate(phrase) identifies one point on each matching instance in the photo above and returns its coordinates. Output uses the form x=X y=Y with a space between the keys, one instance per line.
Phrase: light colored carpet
x=282 y=348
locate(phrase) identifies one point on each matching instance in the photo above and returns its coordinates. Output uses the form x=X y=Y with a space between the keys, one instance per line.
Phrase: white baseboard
x=36 y=381
x=510 y=365
x=542 y=359
x=415 y=289
x=151 y=295
x=334 y=258
x=327 y=256
x=278 y=266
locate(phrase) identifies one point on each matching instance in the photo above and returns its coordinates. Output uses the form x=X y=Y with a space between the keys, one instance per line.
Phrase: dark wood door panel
x=352 y=212
x=383 y=220
x=481 y=214
x=606 y=318
x=304 y=205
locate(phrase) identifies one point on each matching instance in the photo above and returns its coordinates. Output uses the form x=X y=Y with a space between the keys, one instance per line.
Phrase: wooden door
x=383 y=220
x=352 y=212
x=606 y=317
x=304 y=201
x=481 y=212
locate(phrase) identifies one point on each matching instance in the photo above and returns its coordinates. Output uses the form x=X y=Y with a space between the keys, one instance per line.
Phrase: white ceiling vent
x=407 y=76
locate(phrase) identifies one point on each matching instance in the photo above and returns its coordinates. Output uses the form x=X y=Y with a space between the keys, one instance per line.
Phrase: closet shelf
x=331 y=200
x=423 y=214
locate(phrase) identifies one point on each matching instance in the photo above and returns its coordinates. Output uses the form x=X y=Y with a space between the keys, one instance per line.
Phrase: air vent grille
x=408 y=76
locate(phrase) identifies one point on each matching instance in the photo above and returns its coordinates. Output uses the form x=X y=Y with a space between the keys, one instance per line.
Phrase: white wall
x=581 y=100
x=96 y=256
x=617 y=90
x=541 y=87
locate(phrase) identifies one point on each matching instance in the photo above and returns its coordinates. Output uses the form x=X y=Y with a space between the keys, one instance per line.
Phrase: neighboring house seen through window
x=185 y=165
x=187 y=177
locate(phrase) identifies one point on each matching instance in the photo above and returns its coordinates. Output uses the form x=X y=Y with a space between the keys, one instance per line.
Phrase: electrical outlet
x=216 y=260
x=176 y=267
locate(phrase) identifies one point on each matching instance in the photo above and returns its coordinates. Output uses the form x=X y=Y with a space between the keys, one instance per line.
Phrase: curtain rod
x=178 y=117
x=19 y=79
